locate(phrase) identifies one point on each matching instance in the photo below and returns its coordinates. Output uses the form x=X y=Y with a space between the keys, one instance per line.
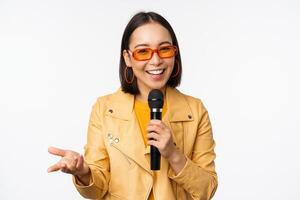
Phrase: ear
x=126 y=57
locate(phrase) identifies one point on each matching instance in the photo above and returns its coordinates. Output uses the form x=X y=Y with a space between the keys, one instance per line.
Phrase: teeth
x=155 y=72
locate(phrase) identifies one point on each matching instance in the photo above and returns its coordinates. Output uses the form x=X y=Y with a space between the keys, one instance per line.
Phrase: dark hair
x=136 y=21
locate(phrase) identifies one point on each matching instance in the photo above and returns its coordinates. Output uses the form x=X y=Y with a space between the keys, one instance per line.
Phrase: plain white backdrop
x=240 y=57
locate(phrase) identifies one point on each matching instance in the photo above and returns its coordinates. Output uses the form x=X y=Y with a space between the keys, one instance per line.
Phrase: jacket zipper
x=151 y=185
x=176 y=191
x=148 y=193
x=121 y=153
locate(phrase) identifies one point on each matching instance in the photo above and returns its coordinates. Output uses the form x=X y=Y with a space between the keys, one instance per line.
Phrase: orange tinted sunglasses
x=147 y=53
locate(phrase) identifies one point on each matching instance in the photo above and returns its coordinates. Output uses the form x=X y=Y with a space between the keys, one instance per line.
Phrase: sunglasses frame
x=152 y=52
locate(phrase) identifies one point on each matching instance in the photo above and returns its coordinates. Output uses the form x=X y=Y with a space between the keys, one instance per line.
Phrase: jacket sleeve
x=198 y=176
x=96 y=157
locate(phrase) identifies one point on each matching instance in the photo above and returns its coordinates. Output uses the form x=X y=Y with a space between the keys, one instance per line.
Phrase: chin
x=157 y=86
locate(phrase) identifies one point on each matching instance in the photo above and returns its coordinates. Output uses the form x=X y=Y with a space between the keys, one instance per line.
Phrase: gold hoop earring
x=125 y=76
x=177 y=71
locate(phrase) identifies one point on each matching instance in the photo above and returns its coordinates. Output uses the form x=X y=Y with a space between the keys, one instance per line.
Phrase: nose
x=155 y=60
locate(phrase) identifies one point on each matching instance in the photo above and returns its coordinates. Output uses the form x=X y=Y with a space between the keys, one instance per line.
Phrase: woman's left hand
x=160 y=136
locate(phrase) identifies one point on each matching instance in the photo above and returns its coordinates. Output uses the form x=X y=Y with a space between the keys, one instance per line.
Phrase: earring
x=125 y=76
x=177 y=71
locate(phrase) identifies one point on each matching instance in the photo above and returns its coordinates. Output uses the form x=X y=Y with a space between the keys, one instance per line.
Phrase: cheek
x=138 y=67
x=171 y=65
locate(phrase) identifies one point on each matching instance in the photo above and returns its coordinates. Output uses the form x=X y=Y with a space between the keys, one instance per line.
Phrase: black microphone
x=156 y=102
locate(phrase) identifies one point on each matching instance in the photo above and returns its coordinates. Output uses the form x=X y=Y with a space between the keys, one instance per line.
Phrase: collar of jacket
x=121 y=105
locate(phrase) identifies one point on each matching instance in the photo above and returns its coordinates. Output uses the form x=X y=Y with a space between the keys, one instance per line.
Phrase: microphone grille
x=155 y=99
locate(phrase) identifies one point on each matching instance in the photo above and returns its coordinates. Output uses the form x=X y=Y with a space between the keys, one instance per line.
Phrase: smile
x=155 y=72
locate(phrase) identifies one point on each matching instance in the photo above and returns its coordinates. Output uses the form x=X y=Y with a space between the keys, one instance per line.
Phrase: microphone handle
x=156 y=115
x=154 y=152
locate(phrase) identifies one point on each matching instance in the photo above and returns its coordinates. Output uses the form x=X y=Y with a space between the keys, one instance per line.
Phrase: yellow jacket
x=119 y=161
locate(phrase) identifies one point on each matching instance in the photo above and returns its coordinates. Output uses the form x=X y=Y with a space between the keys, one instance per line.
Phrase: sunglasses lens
x=142 y=54
x=167 y=52
x=146 y=53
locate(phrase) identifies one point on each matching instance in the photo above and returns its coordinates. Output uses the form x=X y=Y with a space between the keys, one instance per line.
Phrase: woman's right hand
x=71 y=162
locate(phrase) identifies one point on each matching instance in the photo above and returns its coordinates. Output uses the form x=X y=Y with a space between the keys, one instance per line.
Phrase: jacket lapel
x=129 y=135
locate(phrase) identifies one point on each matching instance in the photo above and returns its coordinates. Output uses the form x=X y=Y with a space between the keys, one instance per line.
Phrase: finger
x=157 y=122
x=54 y=168
x=68 y=163
x=153 y=143
x=154 y=128
x=57 y=151
x=71 y=164
x=65 y=169
x=63 y=165
x=153 y=136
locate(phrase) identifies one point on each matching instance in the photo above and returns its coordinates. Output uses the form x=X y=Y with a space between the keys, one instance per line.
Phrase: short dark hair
x=136 y=21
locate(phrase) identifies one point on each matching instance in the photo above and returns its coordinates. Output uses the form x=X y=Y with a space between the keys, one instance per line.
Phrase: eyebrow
x=164 y=42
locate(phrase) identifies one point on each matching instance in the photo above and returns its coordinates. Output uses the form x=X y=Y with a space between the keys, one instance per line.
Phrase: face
x=153 y=73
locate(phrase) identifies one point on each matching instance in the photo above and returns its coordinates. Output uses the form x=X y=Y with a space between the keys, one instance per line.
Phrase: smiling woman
x=152 y=60
x=116 y=164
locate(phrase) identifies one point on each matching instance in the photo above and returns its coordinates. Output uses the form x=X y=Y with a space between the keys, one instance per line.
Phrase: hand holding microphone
x=159 y=135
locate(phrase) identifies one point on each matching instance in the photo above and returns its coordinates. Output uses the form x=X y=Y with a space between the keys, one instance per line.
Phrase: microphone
x=155 y=102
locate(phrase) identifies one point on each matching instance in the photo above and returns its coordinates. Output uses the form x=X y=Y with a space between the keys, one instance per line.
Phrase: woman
x=116 y=159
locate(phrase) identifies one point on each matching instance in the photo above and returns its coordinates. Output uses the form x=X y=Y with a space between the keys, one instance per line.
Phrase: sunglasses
x=147 y=53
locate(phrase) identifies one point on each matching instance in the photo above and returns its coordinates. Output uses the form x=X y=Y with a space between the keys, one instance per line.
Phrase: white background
x=240 y=57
